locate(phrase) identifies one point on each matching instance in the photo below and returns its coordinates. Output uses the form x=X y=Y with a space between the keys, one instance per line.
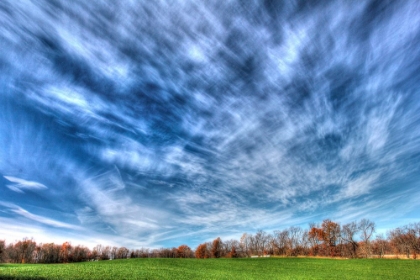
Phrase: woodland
x=328 y=239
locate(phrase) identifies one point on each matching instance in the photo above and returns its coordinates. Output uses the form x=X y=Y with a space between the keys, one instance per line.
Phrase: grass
x=269 y=268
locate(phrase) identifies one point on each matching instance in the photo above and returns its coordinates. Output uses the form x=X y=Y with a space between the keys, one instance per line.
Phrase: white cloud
x=37 y=218
x=46 y=221
x=361 y=185
x=109 y=203
x=21 y=184
x=13 y=230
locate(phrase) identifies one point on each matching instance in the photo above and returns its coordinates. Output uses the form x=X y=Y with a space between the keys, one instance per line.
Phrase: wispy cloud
x=20 y=184
x=37 y=218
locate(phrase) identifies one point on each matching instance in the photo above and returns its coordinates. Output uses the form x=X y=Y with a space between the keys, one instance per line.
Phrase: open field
x=269 y=268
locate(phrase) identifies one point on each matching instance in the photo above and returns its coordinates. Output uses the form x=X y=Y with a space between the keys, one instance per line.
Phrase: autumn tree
x=65 y=252
x=184 y=251
x=201 y=251
x=331 y=235
x=324 y=239
x=315 y=237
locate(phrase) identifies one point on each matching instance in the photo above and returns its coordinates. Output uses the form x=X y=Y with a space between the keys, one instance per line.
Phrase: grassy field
x=270 y=268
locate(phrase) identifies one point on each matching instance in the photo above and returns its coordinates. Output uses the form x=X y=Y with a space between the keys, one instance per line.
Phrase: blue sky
x=158 y=123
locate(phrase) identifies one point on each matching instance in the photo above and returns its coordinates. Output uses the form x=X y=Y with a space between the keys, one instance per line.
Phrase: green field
x=272 y=268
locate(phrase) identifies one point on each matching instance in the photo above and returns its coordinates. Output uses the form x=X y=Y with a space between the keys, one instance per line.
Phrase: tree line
x=328 y=239
x=28 y=251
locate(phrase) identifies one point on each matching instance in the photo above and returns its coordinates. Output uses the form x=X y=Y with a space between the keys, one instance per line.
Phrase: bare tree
x=348 y=233
x=49 y=253
x=232 y=249
x=406 y=239
x=113 y=253
x=80 y=254
x=259 y=242
x=245 y=243
x=380 y=246
x=281 y=242
x=167 y=253
x=305 y=243
x=399 y=241
x=2 y=251
x=24 y=250
x=367 y=228
x=415 y=231
x=12 y=254
x=294 y=240
x=122 y=253
x=106 y=253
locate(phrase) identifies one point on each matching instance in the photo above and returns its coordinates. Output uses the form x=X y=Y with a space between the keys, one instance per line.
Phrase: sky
x=161 y=123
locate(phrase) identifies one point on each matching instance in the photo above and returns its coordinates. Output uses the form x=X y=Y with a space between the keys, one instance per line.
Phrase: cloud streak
x=20 y=184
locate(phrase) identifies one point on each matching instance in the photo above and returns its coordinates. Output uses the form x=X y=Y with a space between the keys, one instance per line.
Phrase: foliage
x=201 y=251
x=184 y=251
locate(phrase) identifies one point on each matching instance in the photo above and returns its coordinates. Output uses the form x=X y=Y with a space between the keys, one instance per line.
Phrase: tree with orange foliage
x=184 y=251
x=65 y=252
x=315 y=236
x=201 y=251
x=325 y=238
x=331 y=234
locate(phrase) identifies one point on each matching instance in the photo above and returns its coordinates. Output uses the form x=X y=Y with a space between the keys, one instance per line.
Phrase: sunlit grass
x=273 y=268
